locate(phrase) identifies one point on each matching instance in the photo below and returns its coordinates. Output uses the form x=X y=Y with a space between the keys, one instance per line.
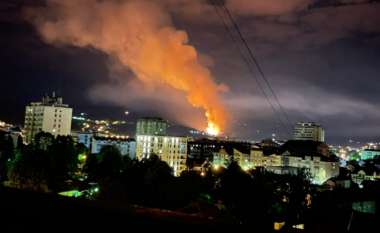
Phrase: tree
x=299 y=186
x=355 y=156
x=239 y=193
x=64 y=157
x=6 y=156
x=44 y=141
x=29 y=173
x=194 y=186
x=108 y=163
x=91 y=168
x=111 y=161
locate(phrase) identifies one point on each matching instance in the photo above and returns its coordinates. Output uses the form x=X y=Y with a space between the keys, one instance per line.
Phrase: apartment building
x=369 y=154
x=152 y=139
x=309 y=132
x=170 y=149
x=246 y=157
x=151 y=126
x=321 y=169
x=50 y=115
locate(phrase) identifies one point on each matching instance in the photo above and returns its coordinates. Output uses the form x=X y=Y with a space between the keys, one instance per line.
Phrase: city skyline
x=321 y=73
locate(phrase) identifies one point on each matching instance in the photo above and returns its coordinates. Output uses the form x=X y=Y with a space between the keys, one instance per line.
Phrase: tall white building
x=151 y=126
x=170 y=149
x=309 y=131
x=152 y=139
x=50 y=115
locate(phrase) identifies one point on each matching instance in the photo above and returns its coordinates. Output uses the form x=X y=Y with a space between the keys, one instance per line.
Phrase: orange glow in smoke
x=138 y=34
x=212 y=130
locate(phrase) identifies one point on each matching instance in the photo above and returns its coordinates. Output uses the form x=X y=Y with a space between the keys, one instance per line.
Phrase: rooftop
x=114 y=139
x=372 y=150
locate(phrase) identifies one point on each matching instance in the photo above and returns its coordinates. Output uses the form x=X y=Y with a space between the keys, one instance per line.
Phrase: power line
x=249 y=67
x=257 y=64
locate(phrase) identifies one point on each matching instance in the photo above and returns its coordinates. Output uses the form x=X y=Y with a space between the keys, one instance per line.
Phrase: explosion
x=139 y=34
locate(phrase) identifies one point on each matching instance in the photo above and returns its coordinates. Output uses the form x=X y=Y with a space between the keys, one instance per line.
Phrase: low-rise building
x=365 y=174
x=321 y=169
x=127 y=146
x=369 y=154
x=81 y=137
x=204 y=167
x=295 y=147
x=282 y=170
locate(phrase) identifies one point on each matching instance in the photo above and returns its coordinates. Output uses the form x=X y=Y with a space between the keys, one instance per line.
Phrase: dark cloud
x=320 y=57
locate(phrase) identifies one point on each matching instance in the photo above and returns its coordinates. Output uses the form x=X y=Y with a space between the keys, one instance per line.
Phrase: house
x=204 y=167
x=365 y=173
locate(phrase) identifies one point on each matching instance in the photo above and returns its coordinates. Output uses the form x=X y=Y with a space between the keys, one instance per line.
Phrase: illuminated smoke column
x=138 y=33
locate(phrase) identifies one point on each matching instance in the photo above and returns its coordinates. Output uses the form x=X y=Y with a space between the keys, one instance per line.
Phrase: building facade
x=170 y=149
x=85 y=137
x=203 y=148
x=127 y=146
x=50 y=115
x=320 y=169
x=246 y=158
x=309 y=132
x=369 y=174
x=369 y=154
x=151 y=126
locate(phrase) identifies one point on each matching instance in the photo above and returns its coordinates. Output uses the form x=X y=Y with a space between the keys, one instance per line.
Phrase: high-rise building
x=310 y=132
x=152 y=139
x=170 y=149
x=50 y=115
x=151 y=126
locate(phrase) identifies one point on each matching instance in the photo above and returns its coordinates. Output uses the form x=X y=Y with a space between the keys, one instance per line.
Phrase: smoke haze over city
x=321 y=59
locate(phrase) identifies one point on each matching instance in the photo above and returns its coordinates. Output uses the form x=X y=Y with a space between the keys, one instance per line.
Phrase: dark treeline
x=41 y=165
x=248 y=196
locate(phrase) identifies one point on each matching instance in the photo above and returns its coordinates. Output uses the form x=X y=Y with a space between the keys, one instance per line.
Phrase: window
x=55 y=115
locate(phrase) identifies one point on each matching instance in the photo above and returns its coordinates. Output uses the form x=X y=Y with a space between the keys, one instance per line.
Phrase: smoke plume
x=137 y=33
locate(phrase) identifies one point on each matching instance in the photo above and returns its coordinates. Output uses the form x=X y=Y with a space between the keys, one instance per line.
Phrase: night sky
x=321 y=58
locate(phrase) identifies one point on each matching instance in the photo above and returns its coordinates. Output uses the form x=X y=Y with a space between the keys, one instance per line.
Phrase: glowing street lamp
x=126 y=113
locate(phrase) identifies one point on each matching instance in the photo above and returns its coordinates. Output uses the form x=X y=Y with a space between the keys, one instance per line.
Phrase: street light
x=126 y=113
